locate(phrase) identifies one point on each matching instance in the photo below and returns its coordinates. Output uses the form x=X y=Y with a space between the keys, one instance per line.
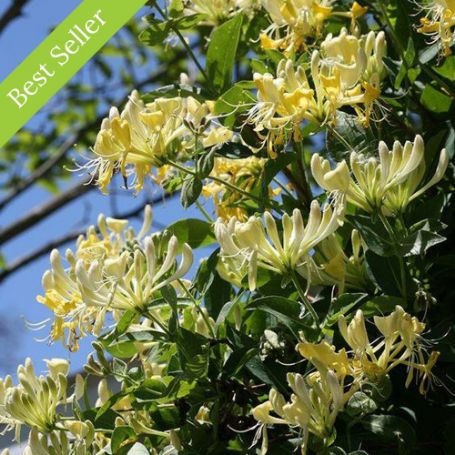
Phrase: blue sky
x=18 y=293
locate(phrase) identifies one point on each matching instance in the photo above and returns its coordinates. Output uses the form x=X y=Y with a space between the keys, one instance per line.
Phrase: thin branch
x=44 y=210
x=12 y=13
x=44 y=250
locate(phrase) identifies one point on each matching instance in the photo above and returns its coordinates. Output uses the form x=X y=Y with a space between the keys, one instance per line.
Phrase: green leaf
x=194 y=353
x=391 y=428
x=169 y=294
x=125 y=321
x=121 y=435
x=156 y=33
x=349 y=135
x=165 y=419
x=234 y=101
x=360 y=404
x=191 y=190
x=205 y=163
x=197 y=233
x=447 y=69
x=384 y=272
x=222 y=52
x=122 y=349
x=215 y=290
x=273 y=167
x=270 y=372
x=374 y=234
x=174 y=90
x=380 y=305
x=151 y=390
x=435 y=101
x=343 y=305
x=419 y=242
x=175 y=8
x=286 y=311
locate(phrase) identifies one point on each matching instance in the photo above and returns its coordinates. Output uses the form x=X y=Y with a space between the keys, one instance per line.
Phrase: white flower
x=389 y=183
x=35 y=399
x=439 y=22
x=144 y=136
x=256 y=243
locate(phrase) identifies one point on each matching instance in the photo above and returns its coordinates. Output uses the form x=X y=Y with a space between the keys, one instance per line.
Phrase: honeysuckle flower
x=73 y=319
x=35 y=399
x=293 y=21
x=257 y=243
x=402 y=343
x=284 y=100
x=313 y=407
x=388 y=184
x=216 y=11
x=78 y=439
x=439 y=22
x=243 y=173
x=349 y=72
x=130 y=281
x=333 y=267
x=144 y=136
x=112 y=272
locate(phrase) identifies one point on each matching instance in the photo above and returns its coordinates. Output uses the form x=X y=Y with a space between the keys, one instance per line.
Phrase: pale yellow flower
x=333 y=267
x=256 y=243
x=401 y=342
x=388 y=184
x=116 y=271
x=144 y=136
x=63 y=296
x=313 y=407
x=293 y=21
x=244 y=173
x=439 y=23
x=216 y=11
x=347 y=71
x=35 y=399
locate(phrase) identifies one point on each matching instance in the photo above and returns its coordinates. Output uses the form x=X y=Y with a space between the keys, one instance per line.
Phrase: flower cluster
x=243 y=173
x=110 y=272
x=387 y=184
x=35 y=399
x=217 y=11
x=319 y=396
x=332 y=266
x=147 y=135
x=439 y=23
x=293 y=21
x=347 y=71
x=247 y=246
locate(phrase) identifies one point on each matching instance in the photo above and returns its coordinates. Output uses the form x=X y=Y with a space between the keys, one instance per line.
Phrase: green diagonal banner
x=55 y=61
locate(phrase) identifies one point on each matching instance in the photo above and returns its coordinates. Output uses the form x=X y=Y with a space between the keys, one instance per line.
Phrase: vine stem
x=391 y=232
x=199 y=309
x=307 y=194
x=215 y=179
x=204 y=212
x=305 y=301
x=185 y=45
x=283 y=187
x=153 y=318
